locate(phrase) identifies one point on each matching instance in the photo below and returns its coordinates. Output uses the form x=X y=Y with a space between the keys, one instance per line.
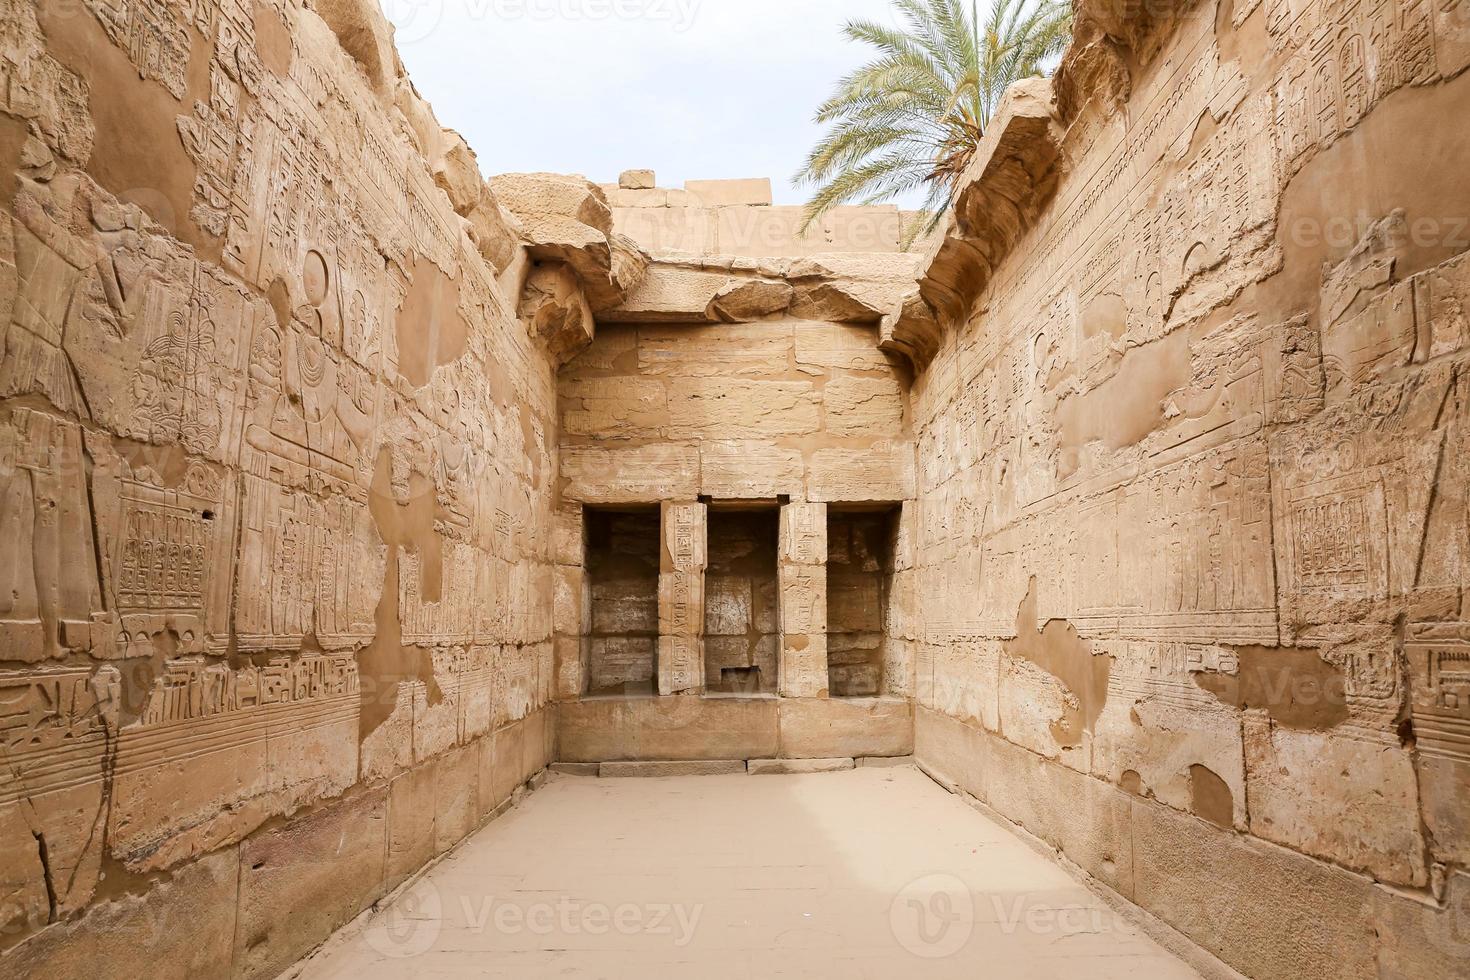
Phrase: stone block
x=183 y=926
x=637 y=180
x=790 y=767
x=674 y=728
x=729 y=193
x=456 y=796
x=814 y=728
x=711 y=767
x=411 y=813
x=1267 y=912
x=326 y=866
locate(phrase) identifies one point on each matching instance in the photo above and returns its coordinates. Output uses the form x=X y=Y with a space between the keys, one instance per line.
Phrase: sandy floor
x=870 y=873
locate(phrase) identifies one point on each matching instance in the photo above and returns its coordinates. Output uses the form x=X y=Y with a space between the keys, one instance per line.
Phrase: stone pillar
x=572 y=612
x=802 y=584
x=681 y=598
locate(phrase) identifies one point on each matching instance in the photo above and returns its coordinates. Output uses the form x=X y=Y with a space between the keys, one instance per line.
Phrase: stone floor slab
x=861 y=873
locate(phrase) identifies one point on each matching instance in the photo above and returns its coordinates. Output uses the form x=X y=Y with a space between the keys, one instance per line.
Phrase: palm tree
x=913 y=117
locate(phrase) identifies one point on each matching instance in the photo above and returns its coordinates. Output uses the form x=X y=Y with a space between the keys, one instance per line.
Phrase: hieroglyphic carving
x=56 y=732
x=193 y=690
x=154 y=36
x=681 y=598
x=801 y=581
x=50 y=594
x=1438 y=657
x=308 y=566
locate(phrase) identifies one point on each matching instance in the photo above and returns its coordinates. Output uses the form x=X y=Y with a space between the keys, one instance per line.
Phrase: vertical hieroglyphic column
x=802 y=583
x=572 y=613
x=681 y=598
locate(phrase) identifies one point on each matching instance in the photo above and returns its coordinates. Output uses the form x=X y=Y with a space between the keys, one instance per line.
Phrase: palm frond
x=914 y=116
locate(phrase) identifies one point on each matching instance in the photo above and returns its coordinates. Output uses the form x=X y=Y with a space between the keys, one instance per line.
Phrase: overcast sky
x=694 y=89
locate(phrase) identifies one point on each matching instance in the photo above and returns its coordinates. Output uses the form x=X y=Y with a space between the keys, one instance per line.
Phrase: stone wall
x=276 y=462
x=780 y=406
x=622 y=578
x=736 y=217
x=1192 y=539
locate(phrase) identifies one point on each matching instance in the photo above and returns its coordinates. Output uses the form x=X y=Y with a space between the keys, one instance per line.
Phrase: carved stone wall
x=1192 y=534
x=807 y=409
x=276 y=477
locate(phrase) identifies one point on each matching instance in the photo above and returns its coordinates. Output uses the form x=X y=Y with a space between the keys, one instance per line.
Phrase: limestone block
x=411 y=812
x=255 y=759
x=60 y=722
x=749 y=299
x=792 y=767
x=803 y=665
x=566 y=219
x=951 y=751
x=669 y=229
x=436 y=721
x=671 y=728
x=911 y=329
x=1440 y=706
x=827 y=346
x=715 y=408
x=673 y=293
x=845 y=727
x=1242 y=900
x=572 y=665
x=728 y=606
x=554 y=309
x=457 y=174
x=572 y=601
x=756 y=351
x=737 y=469
x=508 y=765
x=1368 y=820
x=803 y=534
x=728 y=767
x=681 y=599
x=899 y=662
x=1158 y=737
x=623 y=607
x=185 y=925
x=328 y=866
x=728 y=193
x=863 y=407
x=456 y=796
x=569 y=536
x=854 y=286
x=680 y=664
x=883 y=473
x=1421 y=939
x=596 y=475
x=619 y=660
x=637 y=180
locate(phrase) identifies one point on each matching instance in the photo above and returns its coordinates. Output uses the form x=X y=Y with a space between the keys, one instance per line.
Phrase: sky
x=693 y=89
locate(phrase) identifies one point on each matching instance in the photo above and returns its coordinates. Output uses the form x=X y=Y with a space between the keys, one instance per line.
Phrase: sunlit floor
x=867 y=873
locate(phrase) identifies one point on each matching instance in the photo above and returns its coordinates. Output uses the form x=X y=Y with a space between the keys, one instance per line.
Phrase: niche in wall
x=860 y=548
x=622 y=573
x=741 y=628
